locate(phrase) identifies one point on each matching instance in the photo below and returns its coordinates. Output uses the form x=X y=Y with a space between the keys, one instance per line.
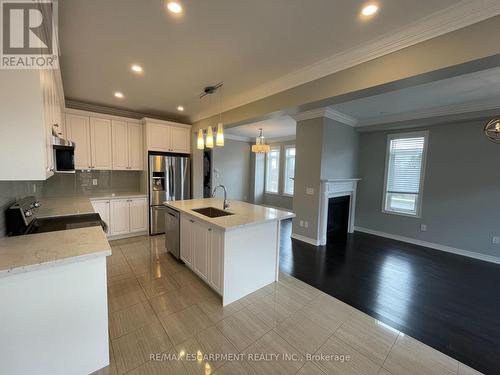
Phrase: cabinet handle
x=209 y=229
x=192 y=221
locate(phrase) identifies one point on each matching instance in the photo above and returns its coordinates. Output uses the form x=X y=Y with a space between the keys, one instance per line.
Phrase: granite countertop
x=245 y=214
x=35 y=251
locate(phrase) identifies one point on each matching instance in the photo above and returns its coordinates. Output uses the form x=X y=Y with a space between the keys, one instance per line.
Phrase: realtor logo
x=28 y=34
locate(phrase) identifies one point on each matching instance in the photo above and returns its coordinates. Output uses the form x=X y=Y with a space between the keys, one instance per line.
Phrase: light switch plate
x=495 y=240
x=423 y=227
x=310 y=191
x=94 y=181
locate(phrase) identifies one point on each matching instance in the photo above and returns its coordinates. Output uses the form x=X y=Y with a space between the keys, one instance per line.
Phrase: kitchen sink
x=212 y=212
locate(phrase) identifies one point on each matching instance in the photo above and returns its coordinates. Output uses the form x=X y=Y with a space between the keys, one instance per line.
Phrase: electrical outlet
x=423 y=227
x=34 y=188
x=301 y=223
x=495 y=240
x=310 y=191
x=306 y=224
x=94 y=181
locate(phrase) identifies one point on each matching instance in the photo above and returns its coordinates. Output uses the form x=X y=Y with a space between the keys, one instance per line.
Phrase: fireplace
x=337 y=225
x=337 y=207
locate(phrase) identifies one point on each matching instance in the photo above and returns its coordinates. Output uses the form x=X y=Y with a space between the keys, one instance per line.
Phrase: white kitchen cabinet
x=135 y=147
x=186 y=247
x=78 y=131
x=138 y=215
x=100 y=143
x=120 y=217
x=167 y=136
x=31 y=106
x=102 y=208
x=202 y=250
x=128 y=149
x=128 y=216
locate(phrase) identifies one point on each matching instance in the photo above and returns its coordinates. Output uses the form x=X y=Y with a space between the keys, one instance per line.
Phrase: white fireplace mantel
x=332 y=188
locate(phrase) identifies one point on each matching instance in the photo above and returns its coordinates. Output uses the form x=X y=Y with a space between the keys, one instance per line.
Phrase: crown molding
x=460 y=15
x=447 y=110
x=328 y=113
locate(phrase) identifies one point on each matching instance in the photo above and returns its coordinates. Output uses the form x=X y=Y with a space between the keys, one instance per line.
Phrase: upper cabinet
x=167 y=136
x=128 y=151
x=105 y=142
x=27 y=118
x=92 y=137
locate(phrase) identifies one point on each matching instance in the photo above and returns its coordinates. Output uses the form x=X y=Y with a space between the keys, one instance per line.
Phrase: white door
x=180 y=140
x=119 y=217
x=186 y=241
x=216 y=260
x=102 y=208
x=138 y=215
x=200 y=249
x=158 y=137
x=135 y=147
x=120 y=145
x=100 y=142
x=78 y=129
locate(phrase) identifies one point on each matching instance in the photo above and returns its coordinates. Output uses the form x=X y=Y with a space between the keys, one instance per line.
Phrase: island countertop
x=244 y=214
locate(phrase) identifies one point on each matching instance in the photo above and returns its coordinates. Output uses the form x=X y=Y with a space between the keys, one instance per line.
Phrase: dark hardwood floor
x=449 y=302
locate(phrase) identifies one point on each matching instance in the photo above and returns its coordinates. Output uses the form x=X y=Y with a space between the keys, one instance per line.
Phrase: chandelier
x=260 y=146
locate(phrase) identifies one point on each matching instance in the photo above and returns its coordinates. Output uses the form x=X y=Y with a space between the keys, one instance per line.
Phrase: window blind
x=405 y=165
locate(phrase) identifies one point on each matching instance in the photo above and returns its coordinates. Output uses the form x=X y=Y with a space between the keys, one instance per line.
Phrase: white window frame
x=285 y=167
x=390 y=137
x=278 y=148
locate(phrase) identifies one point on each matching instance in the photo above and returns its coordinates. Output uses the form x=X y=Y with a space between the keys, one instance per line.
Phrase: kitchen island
x=235 y=254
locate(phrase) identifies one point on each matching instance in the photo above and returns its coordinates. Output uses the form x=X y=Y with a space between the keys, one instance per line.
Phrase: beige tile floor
x=158 y=307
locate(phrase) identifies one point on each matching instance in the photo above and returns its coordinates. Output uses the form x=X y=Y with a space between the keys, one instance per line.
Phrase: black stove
x=21 y=219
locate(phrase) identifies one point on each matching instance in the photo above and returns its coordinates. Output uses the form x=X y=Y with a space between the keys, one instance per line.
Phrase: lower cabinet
x=202 y=250
x=123 y=216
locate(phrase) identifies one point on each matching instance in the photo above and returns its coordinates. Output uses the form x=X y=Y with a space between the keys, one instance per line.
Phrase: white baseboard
x=305 y=239
x=435 y=246
x=128 y=235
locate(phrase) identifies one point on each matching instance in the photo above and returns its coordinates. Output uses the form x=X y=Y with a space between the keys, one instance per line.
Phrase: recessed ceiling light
x=180 y=108
x=136 y=68
x=174 y=7
x=118 y=94
x=369 y=10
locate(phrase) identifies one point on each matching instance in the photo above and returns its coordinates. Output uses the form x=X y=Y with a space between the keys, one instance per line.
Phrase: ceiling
x=467 y=93
x=246 y=44
x=279 y=127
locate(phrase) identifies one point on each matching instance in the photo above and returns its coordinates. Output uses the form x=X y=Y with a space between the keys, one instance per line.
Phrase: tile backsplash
x=81 y=183
x=65 y=185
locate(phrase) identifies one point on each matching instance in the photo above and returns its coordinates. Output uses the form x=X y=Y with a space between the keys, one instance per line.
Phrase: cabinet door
x=100 y=142
x=158 y=137
x=78 y=129
x=186 y=241
x=135 y=147
x=200 y=249
x=120 y=145
x=138 y=215
x=102 y=208
x=119 y=215
x=180 y=140
x=216 y=260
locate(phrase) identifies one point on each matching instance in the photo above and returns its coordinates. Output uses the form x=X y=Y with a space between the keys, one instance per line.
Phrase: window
x=289 y=170
x=404 y=173
x=273 y=170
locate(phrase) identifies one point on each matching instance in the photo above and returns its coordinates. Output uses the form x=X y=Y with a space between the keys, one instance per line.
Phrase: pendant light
x=260 y=146
x=209 y=143
x=200 y=141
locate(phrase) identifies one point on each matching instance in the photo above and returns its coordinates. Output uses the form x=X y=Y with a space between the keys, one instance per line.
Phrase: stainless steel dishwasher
x=172 y=232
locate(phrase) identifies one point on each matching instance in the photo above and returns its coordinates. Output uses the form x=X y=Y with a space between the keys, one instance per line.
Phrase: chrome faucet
x=226 y=203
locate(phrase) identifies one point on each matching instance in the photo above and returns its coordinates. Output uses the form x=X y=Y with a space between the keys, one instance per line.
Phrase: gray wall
x=325 y=149
x=257 y=177
x=232 y=169
x=340 y=151
x=461 y=189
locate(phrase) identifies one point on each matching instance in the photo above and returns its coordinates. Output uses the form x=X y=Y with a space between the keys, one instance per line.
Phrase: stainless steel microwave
x=64 y=155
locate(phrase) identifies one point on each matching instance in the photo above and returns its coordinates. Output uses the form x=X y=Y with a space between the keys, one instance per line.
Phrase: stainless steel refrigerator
x=169 y=179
